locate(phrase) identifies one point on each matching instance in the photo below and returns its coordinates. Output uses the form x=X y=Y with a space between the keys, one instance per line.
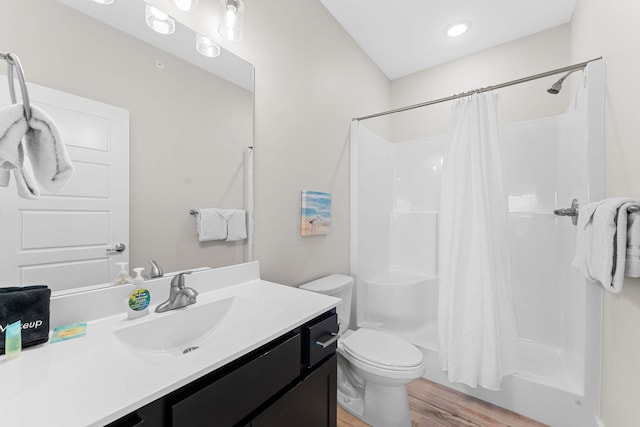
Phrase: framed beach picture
x=315 y=213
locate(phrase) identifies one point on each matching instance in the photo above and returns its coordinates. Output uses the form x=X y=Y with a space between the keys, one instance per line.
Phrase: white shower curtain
x=476 y=321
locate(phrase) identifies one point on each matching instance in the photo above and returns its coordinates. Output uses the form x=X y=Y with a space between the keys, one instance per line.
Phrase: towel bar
x=574 y=211
x=571 y=212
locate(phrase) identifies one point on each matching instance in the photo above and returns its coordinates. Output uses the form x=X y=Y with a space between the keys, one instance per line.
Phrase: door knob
x=120 y=247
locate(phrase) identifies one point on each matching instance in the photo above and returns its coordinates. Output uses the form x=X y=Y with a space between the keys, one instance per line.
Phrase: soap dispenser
x=137 y=304
x=123 y=277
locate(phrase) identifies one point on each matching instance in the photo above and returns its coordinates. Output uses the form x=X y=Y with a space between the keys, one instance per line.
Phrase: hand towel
x=601 y=241
x=236 y=224
x=211 y=224
x=632 y=261
x=33 y=149
x=30 y=305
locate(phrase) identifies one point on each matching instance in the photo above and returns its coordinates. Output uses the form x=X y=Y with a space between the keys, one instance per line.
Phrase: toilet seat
x=381 y=350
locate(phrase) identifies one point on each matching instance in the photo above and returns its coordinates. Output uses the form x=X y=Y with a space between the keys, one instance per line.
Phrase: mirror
x=190 y=125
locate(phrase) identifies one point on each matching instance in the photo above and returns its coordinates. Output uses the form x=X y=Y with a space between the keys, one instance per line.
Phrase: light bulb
x=185 y=5
x=206 y=47
x=231 y=28
x=159 y=21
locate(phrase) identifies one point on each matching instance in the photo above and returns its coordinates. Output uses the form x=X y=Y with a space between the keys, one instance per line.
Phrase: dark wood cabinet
x=289 y=381
x=311 y=403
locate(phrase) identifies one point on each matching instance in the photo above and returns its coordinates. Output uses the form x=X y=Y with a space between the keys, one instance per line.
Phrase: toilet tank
x=338 y=286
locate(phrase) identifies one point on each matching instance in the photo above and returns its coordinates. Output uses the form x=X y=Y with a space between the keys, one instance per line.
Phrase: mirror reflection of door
x=68 y=239
x=191 y=121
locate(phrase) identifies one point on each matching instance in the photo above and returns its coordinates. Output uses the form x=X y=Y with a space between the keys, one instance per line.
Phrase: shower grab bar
x=14 y=62
x=574 y=211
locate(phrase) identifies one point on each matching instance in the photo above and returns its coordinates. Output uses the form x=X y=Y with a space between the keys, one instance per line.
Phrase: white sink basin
x=183 y=329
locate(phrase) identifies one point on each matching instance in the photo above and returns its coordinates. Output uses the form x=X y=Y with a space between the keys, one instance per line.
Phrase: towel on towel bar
x=601 y=240
x=211 y=225
x=34 y=150
x=632 y=259
x=221 y=224
x=236 y=224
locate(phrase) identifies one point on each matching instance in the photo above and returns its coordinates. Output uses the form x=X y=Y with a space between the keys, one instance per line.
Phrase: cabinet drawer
x=318 y=340
x=229 y=399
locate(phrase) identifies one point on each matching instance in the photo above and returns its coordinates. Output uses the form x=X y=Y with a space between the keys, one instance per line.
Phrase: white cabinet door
x=62 y=240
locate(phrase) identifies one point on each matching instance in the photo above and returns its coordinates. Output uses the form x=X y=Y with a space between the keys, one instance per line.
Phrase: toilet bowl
x=374 y=367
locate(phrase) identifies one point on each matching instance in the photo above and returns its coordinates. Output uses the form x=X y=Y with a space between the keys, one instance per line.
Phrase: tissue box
x=30 y=305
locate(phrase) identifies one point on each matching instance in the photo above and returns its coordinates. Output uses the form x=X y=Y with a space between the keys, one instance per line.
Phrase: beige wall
x=311 y=80
x=529 y=55
x=186 y=151
x=609 y=28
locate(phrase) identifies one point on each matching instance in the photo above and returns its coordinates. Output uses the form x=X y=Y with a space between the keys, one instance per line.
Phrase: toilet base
x=383 y=406
x=353 y=405
x=386 y=406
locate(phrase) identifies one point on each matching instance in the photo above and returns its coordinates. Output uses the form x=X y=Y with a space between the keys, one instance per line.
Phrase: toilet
x=374 y=367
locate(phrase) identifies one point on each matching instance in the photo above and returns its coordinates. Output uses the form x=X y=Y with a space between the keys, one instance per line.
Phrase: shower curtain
x=476 y=321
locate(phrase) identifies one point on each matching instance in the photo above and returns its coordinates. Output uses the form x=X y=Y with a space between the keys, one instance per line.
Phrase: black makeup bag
x=30 y=305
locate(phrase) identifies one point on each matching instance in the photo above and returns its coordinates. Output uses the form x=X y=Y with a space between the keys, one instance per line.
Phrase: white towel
x=236 y=224
x=211 y=224
x=601 y=241
x=632 y=259
x=32 y=149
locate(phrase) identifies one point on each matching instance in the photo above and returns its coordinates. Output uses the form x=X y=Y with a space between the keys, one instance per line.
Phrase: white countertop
x=96 y=379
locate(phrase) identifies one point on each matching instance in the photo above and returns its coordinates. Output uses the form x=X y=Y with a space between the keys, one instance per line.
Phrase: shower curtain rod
x=568 y=68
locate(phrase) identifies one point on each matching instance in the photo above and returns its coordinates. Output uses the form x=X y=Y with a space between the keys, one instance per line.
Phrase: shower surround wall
x=395 y=208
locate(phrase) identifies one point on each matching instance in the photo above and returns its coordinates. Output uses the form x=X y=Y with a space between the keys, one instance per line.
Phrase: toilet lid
x=382 y=349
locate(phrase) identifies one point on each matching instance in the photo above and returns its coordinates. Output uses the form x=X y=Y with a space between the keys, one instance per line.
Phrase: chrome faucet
x=179 y=295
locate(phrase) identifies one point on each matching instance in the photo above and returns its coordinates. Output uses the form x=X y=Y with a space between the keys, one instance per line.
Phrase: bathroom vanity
x=245 y=354
x=289 y=381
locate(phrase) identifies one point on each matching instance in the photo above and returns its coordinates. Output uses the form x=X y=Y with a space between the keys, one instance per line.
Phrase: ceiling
x=403 y=37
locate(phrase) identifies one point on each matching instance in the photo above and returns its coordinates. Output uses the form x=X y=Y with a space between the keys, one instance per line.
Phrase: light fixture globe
x=231 y=27
x=159 y=21
x=206 y=47
x=185 y=5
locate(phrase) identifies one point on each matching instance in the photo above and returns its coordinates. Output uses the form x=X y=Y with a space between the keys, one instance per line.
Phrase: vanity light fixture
x=231 y=27
x=103 y=1
x=457 y=30
x=159 y=21
x=206 y=47
x=185 y=5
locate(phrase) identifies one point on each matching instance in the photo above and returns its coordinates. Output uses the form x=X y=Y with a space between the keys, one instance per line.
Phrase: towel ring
x=14 y=62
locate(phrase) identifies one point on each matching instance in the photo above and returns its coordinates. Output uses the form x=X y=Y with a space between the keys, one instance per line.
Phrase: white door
x=63 y=240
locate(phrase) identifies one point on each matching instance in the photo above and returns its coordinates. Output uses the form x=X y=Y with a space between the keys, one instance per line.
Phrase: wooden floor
x=433 y=405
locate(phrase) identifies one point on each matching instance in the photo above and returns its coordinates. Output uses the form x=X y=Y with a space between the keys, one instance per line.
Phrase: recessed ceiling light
x=103 y=1
x=457 y=30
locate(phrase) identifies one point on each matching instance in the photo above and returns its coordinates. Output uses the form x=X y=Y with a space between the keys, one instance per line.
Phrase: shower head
x=557 y=86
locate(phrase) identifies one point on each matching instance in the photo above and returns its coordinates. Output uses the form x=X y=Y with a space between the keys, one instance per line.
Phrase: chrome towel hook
x=14 y=62
x=573 y=211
